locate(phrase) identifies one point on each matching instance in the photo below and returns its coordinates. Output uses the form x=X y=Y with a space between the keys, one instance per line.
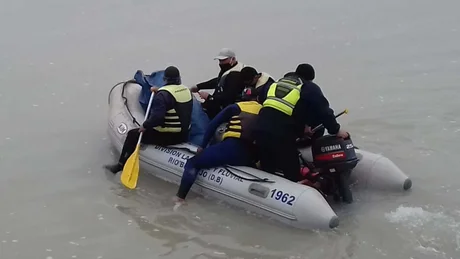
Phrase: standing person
x=290 y=103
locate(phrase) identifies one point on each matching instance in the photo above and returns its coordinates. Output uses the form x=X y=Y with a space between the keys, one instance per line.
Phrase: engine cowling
x=334 y=154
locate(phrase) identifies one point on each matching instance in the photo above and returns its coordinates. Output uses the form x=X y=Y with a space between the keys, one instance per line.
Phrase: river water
x=393 y=64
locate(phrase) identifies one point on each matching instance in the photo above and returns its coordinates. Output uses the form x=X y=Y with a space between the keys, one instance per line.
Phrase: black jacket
x=312 y=109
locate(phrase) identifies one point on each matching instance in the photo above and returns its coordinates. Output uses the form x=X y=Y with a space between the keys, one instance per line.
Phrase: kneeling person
x=237 y=146
x=168 y=122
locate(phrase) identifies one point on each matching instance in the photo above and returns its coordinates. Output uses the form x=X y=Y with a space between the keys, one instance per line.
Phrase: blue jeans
x=231 y=151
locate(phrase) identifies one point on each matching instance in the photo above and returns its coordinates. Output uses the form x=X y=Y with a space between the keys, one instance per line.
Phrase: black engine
x=333 y=160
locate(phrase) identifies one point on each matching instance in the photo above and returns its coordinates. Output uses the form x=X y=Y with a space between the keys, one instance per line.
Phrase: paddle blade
x=130 y=172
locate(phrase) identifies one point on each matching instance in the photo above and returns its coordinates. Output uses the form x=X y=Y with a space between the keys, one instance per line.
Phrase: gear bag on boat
x=199 y=118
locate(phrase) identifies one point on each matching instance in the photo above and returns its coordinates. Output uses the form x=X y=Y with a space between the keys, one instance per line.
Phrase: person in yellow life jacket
x=292 y=102
x=168 y=122
x=227 y=85
x=236 y=147
x=260 y=81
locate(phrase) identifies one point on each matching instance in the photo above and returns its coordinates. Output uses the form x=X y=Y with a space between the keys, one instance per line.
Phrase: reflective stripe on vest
x=237 y=68
x=241 y=126
x=172 y=121
x=284 y=95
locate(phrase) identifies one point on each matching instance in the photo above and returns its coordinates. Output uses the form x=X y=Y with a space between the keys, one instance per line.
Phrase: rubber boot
x=114 y=168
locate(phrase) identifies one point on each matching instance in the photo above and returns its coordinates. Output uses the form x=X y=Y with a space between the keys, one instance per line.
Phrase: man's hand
x=342 y=134
x=141 y=129
x=154 y=89
x=204 y=95
x=307 y=131
x=194 y=89
x=199 y=150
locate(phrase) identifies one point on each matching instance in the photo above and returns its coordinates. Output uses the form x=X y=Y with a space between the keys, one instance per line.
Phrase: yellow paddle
x=130 y=172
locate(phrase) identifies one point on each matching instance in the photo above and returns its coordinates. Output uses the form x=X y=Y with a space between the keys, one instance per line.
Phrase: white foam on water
x=426 y=225
x=220 y=253
x=412 y=216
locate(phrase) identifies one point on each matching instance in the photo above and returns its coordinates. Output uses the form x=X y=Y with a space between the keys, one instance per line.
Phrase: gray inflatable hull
x=294 y=204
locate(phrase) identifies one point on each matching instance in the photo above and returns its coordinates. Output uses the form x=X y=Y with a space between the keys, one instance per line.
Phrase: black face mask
x=225 y=67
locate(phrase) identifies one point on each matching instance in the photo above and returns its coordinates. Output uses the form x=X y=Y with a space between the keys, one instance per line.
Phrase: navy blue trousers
x=231 y=151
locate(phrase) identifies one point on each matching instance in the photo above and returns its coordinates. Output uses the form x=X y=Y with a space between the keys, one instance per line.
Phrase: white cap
x=225 y=53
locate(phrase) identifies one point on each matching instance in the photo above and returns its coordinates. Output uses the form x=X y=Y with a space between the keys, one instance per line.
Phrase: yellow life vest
x=284 y=95
x=241 y=125
x=177 y=119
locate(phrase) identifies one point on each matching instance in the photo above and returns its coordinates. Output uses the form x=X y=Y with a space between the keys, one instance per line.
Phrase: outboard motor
x=334 y=158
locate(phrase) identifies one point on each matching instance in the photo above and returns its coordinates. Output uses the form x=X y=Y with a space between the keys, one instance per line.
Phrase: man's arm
x=210 y=84
x=158 y=110
x=320 y=105
x=223 y=116
x=231 y=90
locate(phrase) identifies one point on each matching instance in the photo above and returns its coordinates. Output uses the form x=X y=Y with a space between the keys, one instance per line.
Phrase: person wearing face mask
x=292 y=102
x=260 y=81
x=227 y=85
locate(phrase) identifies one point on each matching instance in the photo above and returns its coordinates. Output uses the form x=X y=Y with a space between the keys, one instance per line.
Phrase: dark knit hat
x=306 y=71
x=248 y=73
x=172 y=73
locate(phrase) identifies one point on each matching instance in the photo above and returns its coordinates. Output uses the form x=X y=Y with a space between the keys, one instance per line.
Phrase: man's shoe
x=114 y=168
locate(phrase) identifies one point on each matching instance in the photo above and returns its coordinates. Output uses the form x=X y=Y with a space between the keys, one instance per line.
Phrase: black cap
x=248 y=73
x=172 y=73
x=305 y=71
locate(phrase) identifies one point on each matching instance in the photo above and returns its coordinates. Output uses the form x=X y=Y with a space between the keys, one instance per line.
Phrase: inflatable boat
x=295 y=204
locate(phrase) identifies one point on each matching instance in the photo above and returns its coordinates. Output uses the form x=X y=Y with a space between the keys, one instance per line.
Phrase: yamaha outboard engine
x=335 y=158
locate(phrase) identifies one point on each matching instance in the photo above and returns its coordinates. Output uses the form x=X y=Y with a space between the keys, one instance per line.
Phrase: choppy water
x=393 y=64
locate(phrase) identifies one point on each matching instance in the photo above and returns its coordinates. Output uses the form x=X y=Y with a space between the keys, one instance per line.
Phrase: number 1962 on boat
x=282 y=197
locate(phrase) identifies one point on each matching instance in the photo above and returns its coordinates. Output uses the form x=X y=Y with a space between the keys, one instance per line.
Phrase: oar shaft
x=320 y=126
x=147 y=112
